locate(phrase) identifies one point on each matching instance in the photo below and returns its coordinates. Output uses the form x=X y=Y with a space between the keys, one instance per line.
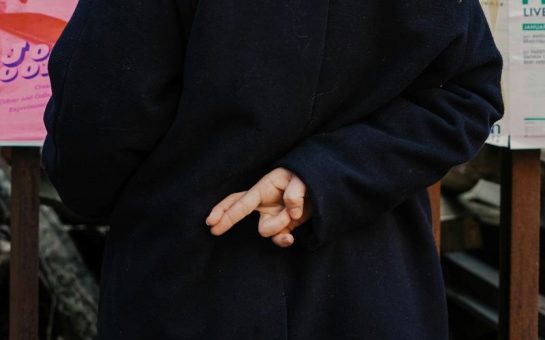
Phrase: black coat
x=161 y=108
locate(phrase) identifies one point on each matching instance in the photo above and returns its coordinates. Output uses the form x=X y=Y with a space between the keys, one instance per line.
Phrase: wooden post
x=519 y=245
x=434 y=192
x=25 y=172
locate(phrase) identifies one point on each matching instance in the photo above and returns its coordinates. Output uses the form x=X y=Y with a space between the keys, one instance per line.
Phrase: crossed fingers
x=279 y=197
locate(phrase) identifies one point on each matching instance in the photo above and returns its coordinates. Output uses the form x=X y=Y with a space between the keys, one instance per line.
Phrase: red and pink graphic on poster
x=28 y=31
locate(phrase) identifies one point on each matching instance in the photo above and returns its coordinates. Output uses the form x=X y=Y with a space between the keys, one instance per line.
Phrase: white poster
x=496 y=12
x=527 y=73
x=519 y=31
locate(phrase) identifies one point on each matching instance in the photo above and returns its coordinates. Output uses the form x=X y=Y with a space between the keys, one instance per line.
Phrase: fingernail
x=287 y=240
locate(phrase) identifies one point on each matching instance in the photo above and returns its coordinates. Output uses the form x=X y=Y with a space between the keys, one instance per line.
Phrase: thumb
x=294 y=197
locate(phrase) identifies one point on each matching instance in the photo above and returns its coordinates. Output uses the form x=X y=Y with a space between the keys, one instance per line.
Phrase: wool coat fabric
x=161 y=108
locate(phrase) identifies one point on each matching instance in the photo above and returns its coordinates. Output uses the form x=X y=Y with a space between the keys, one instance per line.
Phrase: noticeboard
x=28 y=31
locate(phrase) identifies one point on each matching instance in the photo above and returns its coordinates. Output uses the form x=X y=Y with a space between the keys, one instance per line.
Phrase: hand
x=280 y=199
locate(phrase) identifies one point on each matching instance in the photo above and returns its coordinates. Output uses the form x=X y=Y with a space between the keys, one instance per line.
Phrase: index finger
x=219 y=209
x=237 y=211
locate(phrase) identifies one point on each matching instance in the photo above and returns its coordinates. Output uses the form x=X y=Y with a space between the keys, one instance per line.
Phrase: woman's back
x=154 y=120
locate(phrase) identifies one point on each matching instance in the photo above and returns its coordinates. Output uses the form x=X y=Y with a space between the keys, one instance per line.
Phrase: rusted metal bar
x=435 y=198
x=25 y=173
x=519 y=248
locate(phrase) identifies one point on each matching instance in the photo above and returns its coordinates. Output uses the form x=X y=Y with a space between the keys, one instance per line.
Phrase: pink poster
x=28 y=30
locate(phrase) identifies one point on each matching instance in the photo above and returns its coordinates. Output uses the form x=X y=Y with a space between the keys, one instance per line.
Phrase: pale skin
x=279 y=197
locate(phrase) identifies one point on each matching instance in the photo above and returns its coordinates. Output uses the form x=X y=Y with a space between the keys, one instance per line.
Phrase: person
x=263 y=165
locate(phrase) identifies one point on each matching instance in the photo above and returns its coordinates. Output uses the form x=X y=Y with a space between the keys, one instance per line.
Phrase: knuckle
x=230 y=219
x=231 y=196
x=271 y=227
x=246 y=209
x=263 y=231
x=292 y=199
x=241 y=207
x=286 y=219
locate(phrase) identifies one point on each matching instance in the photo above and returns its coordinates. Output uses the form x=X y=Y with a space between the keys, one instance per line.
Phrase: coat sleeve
x=358 y=172
x=116 y=79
